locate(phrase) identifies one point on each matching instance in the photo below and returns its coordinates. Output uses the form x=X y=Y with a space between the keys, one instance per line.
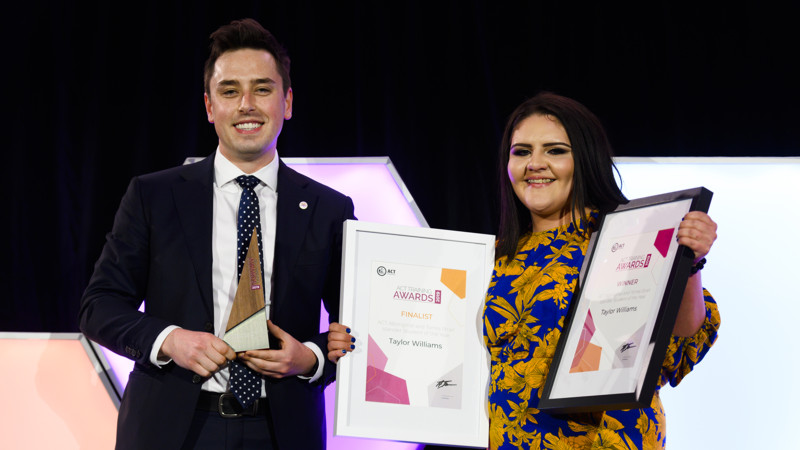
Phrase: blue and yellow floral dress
x=524 y=315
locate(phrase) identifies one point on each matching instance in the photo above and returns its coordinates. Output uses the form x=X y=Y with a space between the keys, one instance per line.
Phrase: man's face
x=247 y=105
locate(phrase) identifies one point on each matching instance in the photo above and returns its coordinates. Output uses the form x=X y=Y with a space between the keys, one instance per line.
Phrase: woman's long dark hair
x=593 y=182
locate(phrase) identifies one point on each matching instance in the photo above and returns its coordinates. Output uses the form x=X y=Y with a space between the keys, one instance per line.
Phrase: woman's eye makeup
x=557 y=151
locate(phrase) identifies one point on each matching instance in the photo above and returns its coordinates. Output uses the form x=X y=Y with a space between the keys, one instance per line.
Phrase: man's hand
x=340 y=341
x=293 y=357
x=202 y=353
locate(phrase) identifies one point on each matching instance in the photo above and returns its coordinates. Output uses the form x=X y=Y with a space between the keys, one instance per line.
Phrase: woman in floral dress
x=556 y=180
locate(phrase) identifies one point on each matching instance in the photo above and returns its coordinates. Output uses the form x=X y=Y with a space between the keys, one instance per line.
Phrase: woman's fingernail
x=348 y=331
x=352 y=339
x=344 y=351
x=352 y=347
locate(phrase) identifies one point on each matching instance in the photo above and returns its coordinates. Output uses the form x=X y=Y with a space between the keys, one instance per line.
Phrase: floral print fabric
x=526 y=305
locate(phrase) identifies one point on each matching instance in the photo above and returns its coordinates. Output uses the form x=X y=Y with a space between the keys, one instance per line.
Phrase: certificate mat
x=413 y=298
x=622 y=314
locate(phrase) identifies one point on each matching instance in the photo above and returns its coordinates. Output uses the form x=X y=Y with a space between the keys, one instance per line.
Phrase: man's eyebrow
x=227 y=83
x=263 y=81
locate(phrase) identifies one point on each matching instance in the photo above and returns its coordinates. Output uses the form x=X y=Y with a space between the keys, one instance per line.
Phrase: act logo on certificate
x=417 y=315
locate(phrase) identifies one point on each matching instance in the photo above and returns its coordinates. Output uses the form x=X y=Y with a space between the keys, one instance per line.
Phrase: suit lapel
x=295 y=209
x=194 y=201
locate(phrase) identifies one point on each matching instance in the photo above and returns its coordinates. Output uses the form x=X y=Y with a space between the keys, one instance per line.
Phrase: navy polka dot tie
x=246 y=383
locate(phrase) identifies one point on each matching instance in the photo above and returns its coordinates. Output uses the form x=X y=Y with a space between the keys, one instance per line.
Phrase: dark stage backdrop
x=96 y=94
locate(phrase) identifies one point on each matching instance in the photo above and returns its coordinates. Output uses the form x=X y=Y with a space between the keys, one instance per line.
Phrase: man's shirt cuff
x=157 y=346
x=320 y=362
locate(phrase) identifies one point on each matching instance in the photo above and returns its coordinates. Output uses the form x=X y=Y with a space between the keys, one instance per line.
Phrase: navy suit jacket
x=159 y=251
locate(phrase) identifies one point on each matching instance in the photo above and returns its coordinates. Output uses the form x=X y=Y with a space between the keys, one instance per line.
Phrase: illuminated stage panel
x=378 y=192
x=52 y=394
x=120 y=369
x=750 y=273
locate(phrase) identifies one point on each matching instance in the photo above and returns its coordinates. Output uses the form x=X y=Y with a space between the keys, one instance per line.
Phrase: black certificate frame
x=668 y=305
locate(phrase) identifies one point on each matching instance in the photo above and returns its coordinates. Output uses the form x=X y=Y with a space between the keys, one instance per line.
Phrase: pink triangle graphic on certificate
x=663 y=239
x=383 y=387
x=375 y=356
x=587 y=355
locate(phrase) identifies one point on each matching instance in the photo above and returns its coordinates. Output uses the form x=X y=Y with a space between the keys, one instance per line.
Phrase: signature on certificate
x=444 y=383
x=627 y=346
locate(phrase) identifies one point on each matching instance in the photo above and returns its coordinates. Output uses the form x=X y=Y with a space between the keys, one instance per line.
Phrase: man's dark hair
x=593 y=182
x=241 y=34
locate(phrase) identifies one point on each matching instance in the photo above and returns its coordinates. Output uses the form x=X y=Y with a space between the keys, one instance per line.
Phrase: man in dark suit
x=173 y=245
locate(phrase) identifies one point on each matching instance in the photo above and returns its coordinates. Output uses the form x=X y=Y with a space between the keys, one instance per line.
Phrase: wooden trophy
x=247 y=324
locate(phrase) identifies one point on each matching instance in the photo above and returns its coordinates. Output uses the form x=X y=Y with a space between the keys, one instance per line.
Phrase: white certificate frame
x=627 y=290
x=397 y=248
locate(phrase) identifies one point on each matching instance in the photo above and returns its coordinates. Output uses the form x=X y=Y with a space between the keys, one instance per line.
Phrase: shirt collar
x=226 y=172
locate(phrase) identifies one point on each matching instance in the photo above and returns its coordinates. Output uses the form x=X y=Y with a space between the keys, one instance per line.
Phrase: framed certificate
x=413 y=298
x=623 y=311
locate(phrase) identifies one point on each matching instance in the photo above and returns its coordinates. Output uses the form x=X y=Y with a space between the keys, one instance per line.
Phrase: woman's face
x=540 y=167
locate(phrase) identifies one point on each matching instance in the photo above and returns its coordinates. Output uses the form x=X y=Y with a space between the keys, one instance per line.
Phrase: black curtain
x=98 y=93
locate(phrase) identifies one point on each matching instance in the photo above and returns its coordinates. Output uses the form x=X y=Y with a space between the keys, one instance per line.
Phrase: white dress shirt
x=227 y=193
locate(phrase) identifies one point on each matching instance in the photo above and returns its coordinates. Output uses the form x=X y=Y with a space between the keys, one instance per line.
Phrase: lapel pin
x=303 y=205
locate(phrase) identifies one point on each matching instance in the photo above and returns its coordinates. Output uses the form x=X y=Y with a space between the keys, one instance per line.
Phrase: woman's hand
x=698 y=232
x=340 y=341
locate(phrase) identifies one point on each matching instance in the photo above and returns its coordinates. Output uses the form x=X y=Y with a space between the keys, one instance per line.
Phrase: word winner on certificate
x=415 y=354
x=628 y=280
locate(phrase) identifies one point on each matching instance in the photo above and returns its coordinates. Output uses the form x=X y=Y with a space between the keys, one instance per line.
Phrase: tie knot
x=247 y=181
